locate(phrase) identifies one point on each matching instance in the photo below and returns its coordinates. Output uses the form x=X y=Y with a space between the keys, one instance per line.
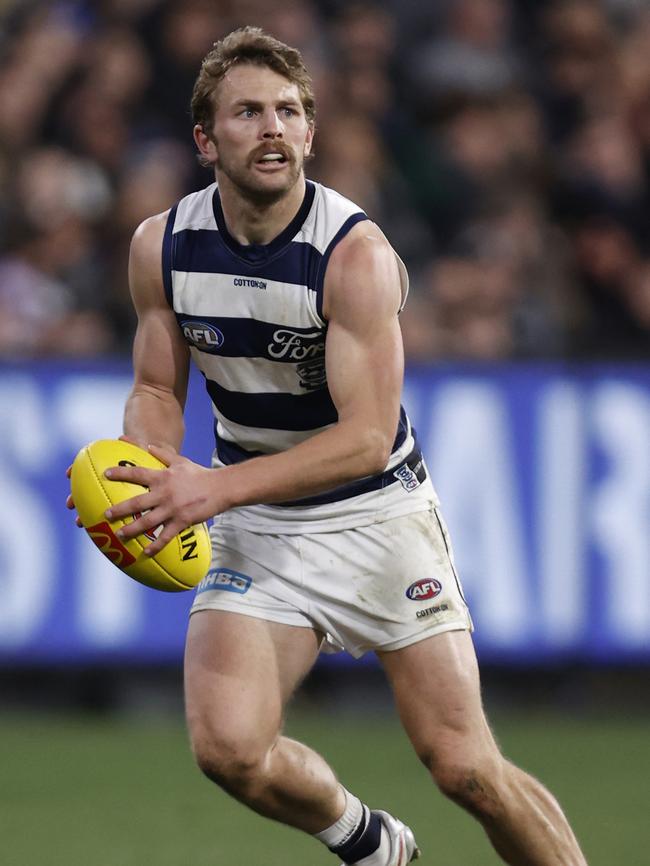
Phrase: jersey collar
x=256 y=253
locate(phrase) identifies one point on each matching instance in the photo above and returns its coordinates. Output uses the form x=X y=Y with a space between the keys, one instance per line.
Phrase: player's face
x=260 y=135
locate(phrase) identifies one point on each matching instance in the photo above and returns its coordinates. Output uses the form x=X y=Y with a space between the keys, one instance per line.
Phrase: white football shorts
x=377 y=587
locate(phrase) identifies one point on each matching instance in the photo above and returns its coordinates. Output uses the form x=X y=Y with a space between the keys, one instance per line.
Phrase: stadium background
x=504 y=147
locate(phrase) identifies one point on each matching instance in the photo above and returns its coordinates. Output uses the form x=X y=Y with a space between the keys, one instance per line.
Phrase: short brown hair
x=248 y=45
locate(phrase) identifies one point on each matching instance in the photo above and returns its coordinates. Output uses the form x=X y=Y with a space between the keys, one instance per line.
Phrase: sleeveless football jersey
x=252 y=317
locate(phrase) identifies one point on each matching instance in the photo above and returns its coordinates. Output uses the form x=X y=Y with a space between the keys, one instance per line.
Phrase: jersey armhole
x=168 y=257
x=341 y=233
x=403 y=281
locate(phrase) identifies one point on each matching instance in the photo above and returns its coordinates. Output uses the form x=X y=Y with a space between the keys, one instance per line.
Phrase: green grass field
x=81 y=792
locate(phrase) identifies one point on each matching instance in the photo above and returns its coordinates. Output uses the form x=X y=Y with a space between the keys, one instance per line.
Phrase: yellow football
x=180 y=565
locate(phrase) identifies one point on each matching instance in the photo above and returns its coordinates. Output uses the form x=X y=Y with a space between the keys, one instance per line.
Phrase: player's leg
x=242 y=666
x=239 y=673
x=436 y=686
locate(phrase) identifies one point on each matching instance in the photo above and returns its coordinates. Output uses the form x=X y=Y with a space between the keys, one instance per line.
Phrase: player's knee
x=235 y=762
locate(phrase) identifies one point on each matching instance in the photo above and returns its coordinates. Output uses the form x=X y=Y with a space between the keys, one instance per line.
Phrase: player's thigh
x=239 y=673
x=437 y=690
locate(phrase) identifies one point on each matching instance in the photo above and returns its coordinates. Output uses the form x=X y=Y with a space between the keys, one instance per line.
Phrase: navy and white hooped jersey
x=252 y=317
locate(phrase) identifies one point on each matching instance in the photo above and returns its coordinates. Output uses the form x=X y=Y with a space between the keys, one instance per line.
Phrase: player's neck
x=252 y=222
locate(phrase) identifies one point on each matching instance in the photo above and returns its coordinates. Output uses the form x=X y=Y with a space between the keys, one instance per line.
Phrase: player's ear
x=205 y=144
x=308 y=140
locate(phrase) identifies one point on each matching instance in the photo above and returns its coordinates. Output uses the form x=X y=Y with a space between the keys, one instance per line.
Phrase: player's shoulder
x=366 y=261
x=193 y=211
x=145 y=263
x=151 y=228
x=365 y=245
x=354 y=233
x=147 y=240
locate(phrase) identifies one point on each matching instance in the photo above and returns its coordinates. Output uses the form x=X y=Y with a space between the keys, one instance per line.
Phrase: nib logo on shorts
x=225 y=579
x=424 y=589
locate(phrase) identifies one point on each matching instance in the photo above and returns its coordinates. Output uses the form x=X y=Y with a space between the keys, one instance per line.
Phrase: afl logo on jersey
x=424 y=589
x=203 y=336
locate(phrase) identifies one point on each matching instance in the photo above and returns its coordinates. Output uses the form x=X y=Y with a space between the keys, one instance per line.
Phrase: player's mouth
x=271 y=161
x=271 y=158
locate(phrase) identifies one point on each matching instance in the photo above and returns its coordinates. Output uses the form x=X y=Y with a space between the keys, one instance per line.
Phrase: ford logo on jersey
x=424 y=589
x=203 y=336
x=296 y=345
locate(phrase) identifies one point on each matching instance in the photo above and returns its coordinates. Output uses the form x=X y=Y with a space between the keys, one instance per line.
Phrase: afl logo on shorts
x=201 y=335
x=423 y=590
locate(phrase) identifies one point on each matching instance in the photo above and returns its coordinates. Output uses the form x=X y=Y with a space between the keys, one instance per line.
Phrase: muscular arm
x=364 y=363
x=154 y=409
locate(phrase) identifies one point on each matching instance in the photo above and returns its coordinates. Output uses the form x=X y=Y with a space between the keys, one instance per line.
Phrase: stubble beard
x=257 y=193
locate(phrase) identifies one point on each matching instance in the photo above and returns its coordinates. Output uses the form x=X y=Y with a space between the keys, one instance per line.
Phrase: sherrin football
x=180 y=565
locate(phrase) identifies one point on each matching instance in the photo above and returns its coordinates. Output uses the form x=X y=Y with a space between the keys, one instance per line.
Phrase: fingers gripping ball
x=180 y=565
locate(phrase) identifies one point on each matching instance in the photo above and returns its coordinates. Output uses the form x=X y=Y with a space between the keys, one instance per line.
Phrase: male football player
x=327 y=530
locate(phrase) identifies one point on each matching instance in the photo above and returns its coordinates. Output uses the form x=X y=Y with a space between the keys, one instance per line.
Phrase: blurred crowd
x=502 y=145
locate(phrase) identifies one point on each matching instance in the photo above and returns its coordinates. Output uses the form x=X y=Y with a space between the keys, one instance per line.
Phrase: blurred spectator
x=499 y=292
x=505 y=148
x=613 y=277
x=637 y=296
x=51 y=293
x=471 y=56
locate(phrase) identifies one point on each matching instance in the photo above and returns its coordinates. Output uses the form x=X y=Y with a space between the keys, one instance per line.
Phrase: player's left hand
x=69 y=502
x=179 y=496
